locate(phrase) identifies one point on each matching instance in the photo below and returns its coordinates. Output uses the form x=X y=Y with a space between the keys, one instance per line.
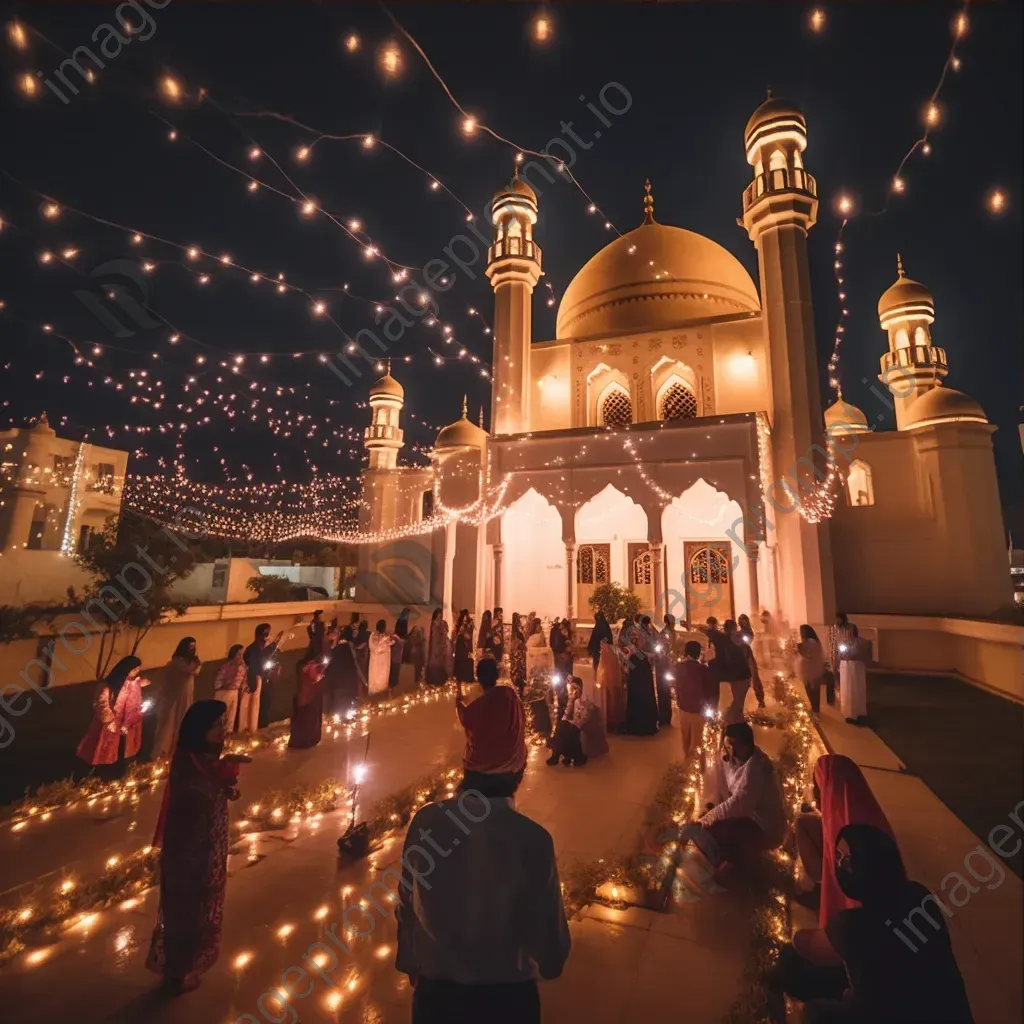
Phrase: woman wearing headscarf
x=362 y=652
x=498 y=635
x=641 y=717
x=115 y=732
x=308 y=705
x=437 y=650
x=380 y=658
x=193 y=835
x=517 y=654
x=601 y=632
x=176 y=694
x=811 y=967
x=260 y=657
x=897 y=973
x=230 y=682
x=609 y=679
x=855 y=652
x=809 y=665
x=485 y=638
x=464 y=648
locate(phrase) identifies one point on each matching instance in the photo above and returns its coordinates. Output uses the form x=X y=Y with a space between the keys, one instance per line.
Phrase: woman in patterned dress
x=517 y=655
x=193 y=834
x=437 y=650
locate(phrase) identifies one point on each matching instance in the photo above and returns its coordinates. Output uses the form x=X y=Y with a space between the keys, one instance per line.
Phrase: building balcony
x=514 y=245
x=783 y=179
x=916 y=357
x=382 y=432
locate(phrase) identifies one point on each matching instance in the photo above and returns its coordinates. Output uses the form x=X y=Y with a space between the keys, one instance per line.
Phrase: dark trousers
x=568 y=743
x=266 y=711
x=447 y=1002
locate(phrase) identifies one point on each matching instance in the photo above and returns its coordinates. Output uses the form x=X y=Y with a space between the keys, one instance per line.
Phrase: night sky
x=694 y=74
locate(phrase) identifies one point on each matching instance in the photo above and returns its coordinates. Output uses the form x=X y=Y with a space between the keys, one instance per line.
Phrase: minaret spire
x=465 y=408
x=899 y=265
x=387 y=367
x=648 y=203
x=481 y=421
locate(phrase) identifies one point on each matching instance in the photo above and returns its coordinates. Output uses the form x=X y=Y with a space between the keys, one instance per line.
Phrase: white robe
x=380 y=662
x=853 y=689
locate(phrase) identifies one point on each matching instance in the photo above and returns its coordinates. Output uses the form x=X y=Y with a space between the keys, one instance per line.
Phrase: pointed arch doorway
x=709 y=580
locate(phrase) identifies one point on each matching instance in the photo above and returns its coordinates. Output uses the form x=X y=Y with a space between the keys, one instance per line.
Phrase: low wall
x=988 y=654
x=215 y=628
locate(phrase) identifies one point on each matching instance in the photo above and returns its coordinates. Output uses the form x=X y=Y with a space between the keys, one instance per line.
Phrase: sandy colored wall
x=27 y=577
x=988 y=654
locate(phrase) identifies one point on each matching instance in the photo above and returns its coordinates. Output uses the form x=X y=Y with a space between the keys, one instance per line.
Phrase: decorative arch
x=777 y=160
x=920 y=337
x=533 y=561
x=602 y=381
x=902 y=338
x=615 y=407
x=860 y=488
x=672 y=376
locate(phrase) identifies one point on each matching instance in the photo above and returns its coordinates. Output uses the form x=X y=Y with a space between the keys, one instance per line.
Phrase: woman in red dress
x=193 y=834
x=308 y=708
x=115 y=732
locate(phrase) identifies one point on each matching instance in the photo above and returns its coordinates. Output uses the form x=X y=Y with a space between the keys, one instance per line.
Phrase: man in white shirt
x=480 y=913
x=748 y=812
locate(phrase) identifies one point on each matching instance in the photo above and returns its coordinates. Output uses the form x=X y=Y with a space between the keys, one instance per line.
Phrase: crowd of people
x=474 y=950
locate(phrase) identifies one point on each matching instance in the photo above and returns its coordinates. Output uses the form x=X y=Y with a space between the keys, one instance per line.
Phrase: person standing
x=416 y=646
x=437 y=649
x=498 y=635
x=517 y=655
x=317 y=634
x=341 y=680
x=472 y=948
x=229 y=684
x=192 y=833
x=114 y=735
x=641 y=717
x=567 y=742
x=809 y=666
x=696 y=692
x=745 y=634
x=601 y=633
x=855 y=653
x=380 y=644
x=733 y=664
x=176 y=695
x=838 y=636
x=609 y=679
x=402 y=624
x=308 y=705
x=256 y=705
x=664 y=658
x=464 y=647
x=361 y=647
x=485 y=638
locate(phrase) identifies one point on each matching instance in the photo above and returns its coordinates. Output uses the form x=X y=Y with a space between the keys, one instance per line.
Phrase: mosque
x=671 y=438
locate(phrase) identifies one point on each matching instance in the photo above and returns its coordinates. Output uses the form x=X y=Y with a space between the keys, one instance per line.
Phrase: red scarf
x=224 y=773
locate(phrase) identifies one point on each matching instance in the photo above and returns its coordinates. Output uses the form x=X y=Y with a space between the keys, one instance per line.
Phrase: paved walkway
x=625 y=965
x=987 y=931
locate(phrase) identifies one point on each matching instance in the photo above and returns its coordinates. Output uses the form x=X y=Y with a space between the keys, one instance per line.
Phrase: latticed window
x=679 y=403
x=585 y=565
x=600 y=567
x=709 y=565
x=643 y=569
x=617 y=409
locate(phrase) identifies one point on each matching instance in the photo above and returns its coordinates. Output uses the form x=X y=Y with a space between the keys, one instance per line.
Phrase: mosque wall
x=931 y=539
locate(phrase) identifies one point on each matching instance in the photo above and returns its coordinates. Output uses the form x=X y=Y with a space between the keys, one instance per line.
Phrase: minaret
x=513 y=268
x=779 y=207
x=383 y=437
x=912 y=365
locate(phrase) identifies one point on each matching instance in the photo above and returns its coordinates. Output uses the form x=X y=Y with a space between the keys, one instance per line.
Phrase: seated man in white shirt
x=480 y=913
x=748 y=812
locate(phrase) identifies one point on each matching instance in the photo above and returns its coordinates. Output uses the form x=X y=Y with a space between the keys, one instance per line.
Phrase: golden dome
x=944 y=405
x=517 y=187
x=904 y=299
x=653 y=277
x=845 y=417
x=461 y=433
x=773 y=109
x=387 y=385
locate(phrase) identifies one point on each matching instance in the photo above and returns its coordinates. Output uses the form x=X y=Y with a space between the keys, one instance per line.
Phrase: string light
x=27 y=84
x=816 y=20
x=996 y=201
x=171 y=89
x=352 y=42
x=17 y=35
x=389 y=59
x=542 y=27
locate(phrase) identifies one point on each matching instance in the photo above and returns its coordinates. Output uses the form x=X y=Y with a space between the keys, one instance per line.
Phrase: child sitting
x=567 y=743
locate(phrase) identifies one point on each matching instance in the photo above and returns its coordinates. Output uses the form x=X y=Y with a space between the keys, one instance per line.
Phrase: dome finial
x=899 y=265
x=648 y=203
x=481 y=417
x=387 y=367
x=769 y=91
x=465 y=407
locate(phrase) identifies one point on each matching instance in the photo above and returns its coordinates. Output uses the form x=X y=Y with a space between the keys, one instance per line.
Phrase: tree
x=615 y=601
x=132 y=564
x=16 y=621
x=270 y=588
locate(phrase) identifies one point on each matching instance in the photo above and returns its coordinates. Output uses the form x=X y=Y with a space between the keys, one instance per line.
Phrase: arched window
x=616 y=409
x=920 y=337
x=678 y=403
x=777 y=161
x=902 y=338
x=858 y=484
x=708 y=565
x=427 y=505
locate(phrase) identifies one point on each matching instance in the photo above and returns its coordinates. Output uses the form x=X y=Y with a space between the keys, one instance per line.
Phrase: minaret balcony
x=382 y=432
x=783 y=179
x=916 y=357
x=515 y=246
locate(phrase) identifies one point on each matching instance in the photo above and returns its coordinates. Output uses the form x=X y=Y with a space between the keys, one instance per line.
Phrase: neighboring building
x=638 y=446
x=54 y=494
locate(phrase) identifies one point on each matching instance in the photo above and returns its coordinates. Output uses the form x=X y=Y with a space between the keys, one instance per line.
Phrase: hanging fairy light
x=816 y=20
x=469 y=125
x=27 y=85
x=844 y=204
x=171 y=89
x=17 y=35
x=542 y=27
x=932 y=115
x=389 y=59
x=996 y=201
x=352 y=42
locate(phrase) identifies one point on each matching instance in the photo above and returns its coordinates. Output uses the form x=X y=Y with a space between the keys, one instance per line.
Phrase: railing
x=381 y=431
x=781 y=180
x=514 y=245
x=915 y=356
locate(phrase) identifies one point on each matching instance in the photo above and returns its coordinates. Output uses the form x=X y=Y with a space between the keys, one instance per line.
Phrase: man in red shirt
x=696 y=690
x=494 y=723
